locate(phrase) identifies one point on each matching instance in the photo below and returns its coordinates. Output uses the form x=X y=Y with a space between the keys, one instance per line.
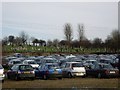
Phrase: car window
x=16 y=62
x=25 y=67
x=77 y=65
x=53 y=66
x=15 y=67
x=67 y=65
x=31 y=62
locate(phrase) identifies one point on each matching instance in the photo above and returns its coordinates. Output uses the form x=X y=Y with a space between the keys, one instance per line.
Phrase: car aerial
x=102 y=71
x=21 y=71
x=49 y=70
x=72 y=69
x=2 y=75
x=31 y=62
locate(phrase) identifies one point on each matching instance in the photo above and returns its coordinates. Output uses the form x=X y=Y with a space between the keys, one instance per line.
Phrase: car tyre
x=70 y=75
x=17 y=78
x=99 y=75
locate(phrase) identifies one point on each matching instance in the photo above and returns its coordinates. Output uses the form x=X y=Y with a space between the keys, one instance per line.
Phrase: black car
x=102 y=70
x=21 y=71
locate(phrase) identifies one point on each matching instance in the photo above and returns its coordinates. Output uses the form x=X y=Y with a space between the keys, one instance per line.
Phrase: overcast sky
x=47 y=20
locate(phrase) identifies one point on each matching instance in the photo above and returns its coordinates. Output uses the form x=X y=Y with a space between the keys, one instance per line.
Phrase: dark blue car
x=48 y=70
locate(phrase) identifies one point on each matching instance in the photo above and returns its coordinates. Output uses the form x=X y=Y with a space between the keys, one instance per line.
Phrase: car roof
x=51 y=64
x=72 y=62
x=22 y=64
x=29 y=60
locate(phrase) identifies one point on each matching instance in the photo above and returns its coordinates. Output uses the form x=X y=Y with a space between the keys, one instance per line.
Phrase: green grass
x=41 y=49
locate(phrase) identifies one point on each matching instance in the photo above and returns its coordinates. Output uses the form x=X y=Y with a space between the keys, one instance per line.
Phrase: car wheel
x=7 y=76
x=60 y=78
x=17 y=78
x=32 y=78
x=70 y=75
x=99 y=75
x=2 y=81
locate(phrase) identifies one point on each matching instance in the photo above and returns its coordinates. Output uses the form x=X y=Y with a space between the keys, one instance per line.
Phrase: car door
x=13 y=71
x=66 y=69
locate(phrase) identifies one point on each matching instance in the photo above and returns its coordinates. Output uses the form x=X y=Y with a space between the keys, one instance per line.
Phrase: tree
x=5 y=41
x=11 y=39
x=68 y=33
x=81 y=35
x=55 y=42
x=24 y=37
x=49 y=43
x=97 y=42
x=18 y=41
x=116 y=39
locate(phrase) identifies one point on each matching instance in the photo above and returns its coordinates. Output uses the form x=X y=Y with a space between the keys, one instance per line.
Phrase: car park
x=2 y=75
x=102 y=71
x=49 y=70
x=72 y=69
x=21 y=71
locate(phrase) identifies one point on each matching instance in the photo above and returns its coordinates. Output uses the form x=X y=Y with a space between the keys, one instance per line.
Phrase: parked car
x=13 y=62
x=2 y=75
x=21 y=71
x=31 y=62
x=49 y=70
x=73 y=69
x=49 y=60
x=102 y=70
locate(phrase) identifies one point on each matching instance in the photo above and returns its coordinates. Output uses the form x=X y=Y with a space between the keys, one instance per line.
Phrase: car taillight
x=19 y=72
x=106 y=71
x=47 y=72
x=32 y=72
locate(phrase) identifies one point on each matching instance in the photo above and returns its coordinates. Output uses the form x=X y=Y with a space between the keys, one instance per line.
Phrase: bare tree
x=81 y=35
x=24 y=37
x=49 y=43
x=68 y=33
x=55 y=42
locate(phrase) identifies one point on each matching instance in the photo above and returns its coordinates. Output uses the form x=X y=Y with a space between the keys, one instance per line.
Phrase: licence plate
x=78 y=74
x=55 y=72
x=26 y=72
x=112 y=71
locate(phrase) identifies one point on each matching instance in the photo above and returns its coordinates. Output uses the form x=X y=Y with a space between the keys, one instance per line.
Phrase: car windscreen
x=25 y=67
x=53 y=66
x=31 y=62
x=77 y=65
x=51 y=61
x=107 y=66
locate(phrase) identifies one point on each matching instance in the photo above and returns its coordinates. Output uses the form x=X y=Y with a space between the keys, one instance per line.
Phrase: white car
x=2 y=75
x=72 y=69
x=31 y=62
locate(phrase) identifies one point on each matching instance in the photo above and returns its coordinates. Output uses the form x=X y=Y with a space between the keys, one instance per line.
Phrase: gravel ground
x=64 y=83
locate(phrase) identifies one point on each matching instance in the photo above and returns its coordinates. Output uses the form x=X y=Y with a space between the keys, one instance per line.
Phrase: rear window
x=31 y=62
x=16 y=62
x=77 y=65
x=53 y=66
x=25 y=67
